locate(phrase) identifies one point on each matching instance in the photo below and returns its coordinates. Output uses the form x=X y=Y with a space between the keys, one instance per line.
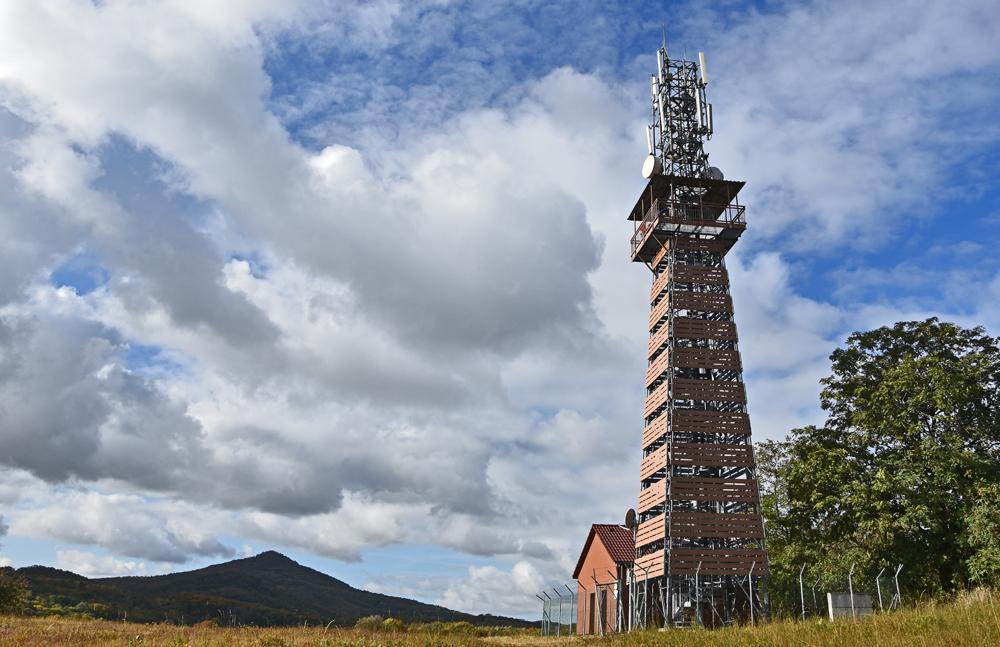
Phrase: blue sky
x=349 y=281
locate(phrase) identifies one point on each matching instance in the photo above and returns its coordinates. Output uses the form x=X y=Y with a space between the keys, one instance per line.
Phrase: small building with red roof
x=602 y=579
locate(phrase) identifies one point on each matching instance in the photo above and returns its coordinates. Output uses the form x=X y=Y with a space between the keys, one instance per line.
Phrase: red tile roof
x=617 y=540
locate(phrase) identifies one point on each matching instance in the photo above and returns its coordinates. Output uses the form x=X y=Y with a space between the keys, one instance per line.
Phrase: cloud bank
x=245 y=301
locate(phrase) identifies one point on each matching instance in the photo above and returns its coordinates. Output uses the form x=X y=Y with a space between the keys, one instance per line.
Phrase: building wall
x=597 y=563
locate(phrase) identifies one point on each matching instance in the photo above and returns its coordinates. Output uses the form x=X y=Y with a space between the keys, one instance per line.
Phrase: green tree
x=984 y=537
x=910 y=447
x=13 y=591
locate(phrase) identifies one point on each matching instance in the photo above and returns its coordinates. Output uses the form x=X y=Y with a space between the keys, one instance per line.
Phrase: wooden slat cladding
x=649 y=566
x=699 y=390
x=654 y=431
x=657 y=340
x=652 y=496
x=652 y=463
x=697 y=421
x=659 y=285
x=693 y=488
x=710 y=524
x=656 y=399
x=709 y=390
x=711 y=358
x=654 y=370
x=650 y=531
x=687 y=328
x=703 y=301
x=658 y=257
x=712 y=455
x=724 y=561
x=689 y=274
x=659 y=311
x=701 y=275
x=693 y=301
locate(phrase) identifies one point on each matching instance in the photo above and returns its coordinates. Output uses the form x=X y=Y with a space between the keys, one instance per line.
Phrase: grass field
x=966 y=623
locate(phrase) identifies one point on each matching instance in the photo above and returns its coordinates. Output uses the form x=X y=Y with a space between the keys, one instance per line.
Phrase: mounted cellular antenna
x=681 y=117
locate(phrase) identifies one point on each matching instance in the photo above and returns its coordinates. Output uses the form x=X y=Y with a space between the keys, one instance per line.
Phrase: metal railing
x=694 y=214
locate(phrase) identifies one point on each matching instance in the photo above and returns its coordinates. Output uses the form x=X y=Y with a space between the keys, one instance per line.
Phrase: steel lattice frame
x=681 y=117
x=701 y=557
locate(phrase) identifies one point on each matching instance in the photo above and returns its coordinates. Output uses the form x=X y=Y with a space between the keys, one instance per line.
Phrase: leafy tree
x=13 y=591
x=908 y=459
x=984 y=537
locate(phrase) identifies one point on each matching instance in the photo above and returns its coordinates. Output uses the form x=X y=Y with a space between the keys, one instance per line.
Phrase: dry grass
x=971 y=622
x=100 y=633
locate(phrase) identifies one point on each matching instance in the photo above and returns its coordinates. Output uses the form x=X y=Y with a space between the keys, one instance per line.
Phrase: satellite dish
x=714 y=173
x=651 y=166
x=630 y=518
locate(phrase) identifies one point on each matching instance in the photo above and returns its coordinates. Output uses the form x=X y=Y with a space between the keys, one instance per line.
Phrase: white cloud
x=91 y=564
x=439 y=340
x=125 y=524
x=844 y=116
x=489 y=588
x=357 y=524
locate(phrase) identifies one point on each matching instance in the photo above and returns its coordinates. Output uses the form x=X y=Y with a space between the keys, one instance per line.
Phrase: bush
x=370 y=623
x=380 y=624
x=461 y=627
x=395 y=625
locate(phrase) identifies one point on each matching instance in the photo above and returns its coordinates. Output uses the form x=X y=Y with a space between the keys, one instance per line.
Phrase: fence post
x=598 y=611
x=559 y=626
x=802 y=593
x=573 y=611
x=878 y=587
x=697 y=595
x=899 y=600
x=850 y=588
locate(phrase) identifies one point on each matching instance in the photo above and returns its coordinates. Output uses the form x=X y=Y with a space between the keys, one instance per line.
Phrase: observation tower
x=700 y=553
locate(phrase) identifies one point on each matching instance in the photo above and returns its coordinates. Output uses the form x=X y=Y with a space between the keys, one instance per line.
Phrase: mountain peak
x=274 y=557
x=266 y=589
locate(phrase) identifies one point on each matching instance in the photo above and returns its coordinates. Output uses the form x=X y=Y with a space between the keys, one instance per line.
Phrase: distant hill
x=269 y=589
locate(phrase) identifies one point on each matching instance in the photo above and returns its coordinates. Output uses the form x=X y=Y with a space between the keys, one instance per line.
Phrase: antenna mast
x=681 y=117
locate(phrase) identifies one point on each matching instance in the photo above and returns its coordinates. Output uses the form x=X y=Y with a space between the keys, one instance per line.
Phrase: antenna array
x=682 y=117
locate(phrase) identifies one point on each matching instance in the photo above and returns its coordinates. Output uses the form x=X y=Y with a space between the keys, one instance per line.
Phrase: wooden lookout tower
x=700 y=553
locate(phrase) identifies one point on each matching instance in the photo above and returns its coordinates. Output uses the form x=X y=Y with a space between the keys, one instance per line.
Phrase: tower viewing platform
x=711 y=211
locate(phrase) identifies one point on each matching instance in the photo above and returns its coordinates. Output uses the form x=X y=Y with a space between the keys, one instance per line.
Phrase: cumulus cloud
x=70 y=409
x=128 y=525
x=488 y=588
x=428 y=334
x=91 y=564
x=845 y=115
x=359 y=523
x=481 y=589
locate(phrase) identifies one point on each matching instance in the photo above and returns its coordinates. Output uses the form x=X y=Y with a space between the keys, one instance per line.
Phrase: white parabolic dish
x=651 y=166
